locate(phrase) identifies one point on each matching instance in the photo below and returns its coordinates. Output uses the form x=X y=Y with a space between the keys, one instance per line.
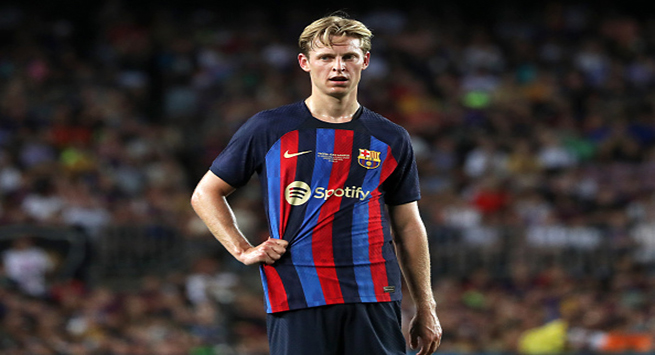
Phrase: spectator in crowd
x=28 y=266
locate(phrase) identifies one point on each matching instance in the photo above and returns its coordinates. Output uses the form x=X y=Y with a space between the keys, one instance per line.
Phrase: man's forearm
x=221 y=222
x=210 y=203
x=411 y=242
x=414 y=259
x=209 y=200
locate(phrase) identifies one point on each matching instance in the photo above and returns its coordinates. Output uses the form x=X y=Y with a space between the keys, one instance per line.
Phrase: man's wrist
x=428 y=305
x=239 y=251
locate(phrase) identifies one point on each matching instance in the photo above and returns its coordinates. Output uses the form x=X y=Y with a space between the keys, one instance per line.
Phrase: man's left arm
x=411 y=242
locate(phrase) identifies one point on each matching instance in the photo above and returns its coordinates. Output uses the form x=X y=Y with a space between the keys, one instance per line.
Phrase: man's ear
x=303 y=61
x=367 y=60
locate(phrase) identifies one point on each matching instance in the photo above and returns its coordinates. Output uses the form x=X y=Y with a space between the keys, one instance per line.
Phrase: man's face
x=335 y=71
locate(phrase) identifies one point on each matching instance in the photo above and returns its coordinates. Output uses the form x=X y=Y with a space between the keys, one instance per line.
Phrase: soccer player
x=331 y=268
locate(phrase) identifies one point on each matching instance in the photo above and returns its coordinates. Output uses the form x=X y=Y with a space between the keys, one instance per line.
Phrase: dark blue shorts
x=343 y=329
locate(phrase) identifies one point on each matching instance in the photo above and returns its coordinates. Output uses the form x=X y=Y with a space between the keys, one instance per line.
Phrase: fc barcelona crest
x=368 y=159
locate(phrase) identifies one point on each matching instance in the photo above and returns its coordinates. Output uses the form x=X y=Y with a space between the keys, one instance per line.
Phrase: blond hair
x=323 y=29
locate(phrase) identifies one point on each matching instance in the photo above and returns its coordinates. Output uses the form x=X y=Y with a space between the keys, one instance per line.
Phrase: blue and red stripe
x=274 y=290
x=310 y=245
x=281 y=172
x=276 y=294
x=322 y=247
x=300 y=248
x=376 y=232
x=367 y=224
x=288 y=143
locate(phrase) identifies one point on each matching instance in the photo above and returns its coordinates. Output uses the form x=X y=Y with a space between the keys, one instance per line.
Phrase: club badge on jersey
x=368 y=159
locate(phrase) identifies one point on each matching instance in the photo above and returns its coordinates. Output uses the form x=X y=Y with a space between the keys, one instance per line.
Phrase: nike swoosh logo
x=291 y=155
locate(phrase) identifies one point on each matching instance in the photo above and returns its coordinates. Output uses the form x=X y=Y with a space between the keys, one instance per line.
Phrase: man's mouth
x=339 y=79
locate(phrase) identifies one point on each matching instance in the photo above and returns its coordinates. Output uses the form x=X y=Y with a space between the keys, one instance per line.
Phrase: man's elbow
x=209 y=191
x=196 y=198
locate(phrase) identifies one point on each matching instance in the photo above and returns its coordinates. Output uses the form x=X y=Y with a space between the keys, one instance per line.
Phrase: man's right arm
x=209 y=201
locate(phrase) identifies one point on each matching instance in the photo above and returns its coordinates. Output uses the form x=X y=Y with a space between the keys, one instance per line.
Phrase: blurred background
x=533 y=127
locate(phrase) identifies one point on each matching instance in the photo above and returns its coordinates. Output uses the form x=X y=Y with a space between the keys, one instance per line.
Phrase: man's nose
x=339 y=65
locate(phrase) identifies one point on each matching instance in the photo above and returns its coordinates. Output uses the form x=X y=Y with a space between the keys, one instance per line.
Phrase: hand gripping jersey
x=325 y=186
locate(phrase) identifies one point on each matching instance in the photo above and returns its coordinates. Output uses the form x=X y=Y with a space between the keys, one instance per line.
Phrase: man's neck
x=331 y=109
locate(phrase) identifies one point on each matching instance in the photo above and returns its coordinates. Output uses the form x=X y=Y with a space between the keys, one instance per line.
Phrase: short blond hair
x=324 y=28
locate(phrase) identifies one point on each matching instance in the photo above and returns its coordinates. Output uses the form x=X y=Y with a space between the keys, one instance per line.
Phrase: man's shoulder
x=381 y=126
x=293 y=111
x=274 y=119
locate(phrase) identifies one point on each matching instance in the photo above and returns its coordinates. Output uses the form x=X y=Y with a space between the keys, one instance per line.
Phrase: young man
x=331 y=269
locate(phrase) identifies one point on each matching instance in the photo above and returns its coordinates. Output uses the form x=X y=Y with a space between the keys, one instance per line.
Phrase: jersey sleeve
x=402 y=186
x=241 y=157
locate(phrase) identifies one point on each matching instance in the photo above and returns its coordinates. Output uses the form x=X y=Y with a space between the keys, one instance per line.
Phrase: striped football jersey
x=325 y=186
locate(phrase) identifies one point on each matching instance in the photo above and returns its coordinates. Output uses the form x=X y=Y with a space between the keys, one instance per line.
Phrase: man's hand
x=425 y=332
x=267 y=252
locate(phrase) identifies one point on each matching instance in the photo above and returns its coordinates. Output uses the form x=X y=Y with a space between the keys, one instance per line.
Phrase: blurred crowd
x=535 y=119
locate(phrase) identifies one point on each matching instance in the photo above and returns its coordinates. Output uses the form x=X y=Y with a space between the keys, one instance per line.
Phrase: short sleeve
x=402 y=186
x=239 y=160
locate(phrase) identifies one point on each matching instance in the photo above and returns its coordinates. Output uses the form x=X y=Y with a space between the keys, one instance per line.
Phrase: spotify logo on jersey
x=297 y=193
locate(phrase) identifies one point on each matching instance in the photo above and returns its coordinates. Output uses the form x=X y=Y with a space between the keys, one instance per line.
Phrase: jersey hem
x=392 y=299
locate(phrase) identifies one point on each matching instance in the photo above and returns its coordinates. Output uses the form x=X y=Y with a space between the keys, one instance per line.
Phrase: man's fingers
x=273 y=249
x=431 y=348
x=279 y=246
x=413 y=341
x=279 y=249
x=423 y=348
x=274 y=254
x=276 y=241
x=427 y=349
